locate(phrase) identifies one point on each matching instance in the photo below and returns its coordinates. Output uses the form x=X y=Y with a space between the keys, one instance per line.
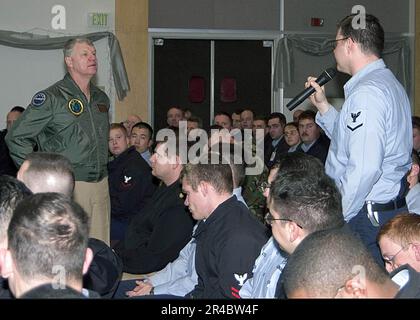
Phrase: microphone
x=325 y=76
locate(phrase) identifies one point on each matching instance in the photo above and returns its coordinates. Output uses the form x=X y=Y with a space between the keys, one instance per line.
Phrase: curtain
x=320 y=46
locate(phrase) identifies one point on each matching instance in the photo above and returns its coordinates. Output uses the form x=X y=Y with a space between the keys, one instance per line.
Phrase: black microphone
x=326 y=76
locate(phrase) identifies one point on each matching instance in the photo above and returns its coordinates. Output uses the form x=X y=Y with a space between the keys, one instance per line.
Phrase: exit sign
x=97 y=19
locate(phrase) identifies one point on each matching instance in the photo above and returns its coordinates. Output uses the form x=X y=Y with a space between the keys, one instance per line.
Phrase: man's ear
x=355 y=287
x=68 y=61
x=294 y=231
x=88 y=260
x=416 y=250
x=203 y=188
x=6 y=264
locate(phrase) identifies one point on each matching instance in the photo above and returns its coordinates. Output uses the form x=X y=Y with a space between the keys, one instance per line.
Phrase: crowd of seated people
x=167 y=215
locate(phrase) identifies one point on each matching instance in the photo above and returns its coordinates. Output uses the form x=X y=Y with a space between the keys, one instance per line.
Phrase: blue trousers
x=362 y=226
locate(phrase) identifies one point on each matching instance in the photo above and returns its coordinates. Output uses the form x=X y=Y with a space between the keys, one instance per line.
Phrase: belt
x=389 y=206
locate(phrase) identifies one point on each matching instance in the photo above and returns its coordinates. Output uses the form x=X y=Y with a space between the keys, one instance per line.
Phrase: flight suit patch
x=76 y=107
x=39 y=99
x=355 y=120
x=102 y=107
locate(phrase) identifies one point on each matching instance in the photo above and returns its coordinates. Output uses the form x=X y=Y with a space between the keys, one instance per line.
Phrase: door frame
x=211 y=34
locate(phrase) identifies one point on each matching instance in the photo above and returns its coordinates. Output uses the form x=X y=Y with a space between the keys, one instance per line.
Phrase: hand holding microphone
x=326 y=76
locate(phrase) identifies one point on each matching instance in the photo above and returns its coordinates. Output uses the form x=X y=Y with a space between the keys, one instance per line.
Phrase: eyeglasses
x=264 y=185
x=390 y=260
x=269 y=220
x=334 y=42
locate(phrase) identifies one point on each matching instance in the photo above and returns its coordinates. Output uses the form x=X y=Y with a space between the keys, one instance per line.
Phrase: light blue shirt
x=146 y=156
x=413 y=199
x=180 y=277
x=371 y=138
x=265 y=274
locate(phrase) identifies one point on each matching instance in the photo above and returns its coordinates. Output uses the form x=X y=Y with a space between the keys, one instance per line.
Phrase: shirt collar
x=377 y=64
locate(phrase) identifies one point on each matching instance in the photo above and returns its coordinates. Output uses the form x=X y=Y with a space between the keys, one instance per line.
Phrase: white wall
x=24 y=72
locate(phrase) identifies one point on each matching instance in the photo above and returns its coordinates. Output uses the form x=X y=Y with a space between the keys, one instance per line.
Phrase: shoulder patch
x=355 y=120
x=39 y=99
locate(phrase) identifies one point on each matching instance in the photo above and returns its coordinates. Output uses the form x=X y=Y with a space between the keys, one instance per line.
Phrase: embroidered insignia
x=241 y=278
x=39 y=99
x=355 y=115
x=76 y=107
x=355 y=121
x=126 y=179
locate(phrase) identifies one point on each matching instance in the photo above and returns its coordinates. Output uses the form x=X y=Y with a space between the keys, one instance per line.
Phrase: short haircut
x=371 y=38
x=48 y=230
x=250 y=110
x=45 y=164
x=303 y=193
x=307 y=114
x=402 y=229
x=415 y=120
x=118 y=126
x=144 y=125
x=293 y=124
x=217 y=175
x=11 y=192
x=17 y=109
x=196 y=120
x=325 y=260
x=69 y=45
x=237 y=111
x=223 y=113
x=278 y=115
x=175 y=107
x=260 y=117
x=416 y=160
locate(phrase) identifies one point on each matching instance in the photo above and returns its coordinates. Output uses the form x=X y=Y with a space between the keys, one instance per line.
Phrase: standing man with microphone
x=371 y=137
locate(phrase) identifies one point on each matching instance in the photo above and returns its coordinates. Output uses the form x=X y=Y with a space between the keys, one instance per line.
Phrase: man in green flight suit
x=71 y=118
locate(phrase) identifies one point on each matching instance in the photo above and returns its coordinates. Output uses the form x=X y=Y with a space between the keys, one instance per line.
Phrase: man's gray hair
x=69 y=45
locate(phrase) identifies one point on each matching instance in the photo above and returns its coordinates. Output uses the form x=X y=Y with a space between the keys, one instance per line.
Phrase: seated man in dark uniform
x=157 y=233
x=229 y=238
x=129 y=179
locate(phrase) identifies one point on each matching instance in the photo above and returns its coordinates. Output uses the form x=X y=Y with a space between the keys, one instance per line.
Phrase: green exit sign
x=97 y=19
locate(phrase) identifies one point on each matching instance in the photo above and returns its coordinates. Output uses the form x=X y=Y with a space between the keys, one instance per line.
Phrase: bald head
x=47 y=172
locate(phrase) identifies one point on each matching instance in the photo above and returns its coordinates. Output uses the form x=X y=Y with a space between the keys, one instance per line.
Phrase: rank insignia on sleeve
x=355 y=121
x=39 y=99
x=75 y=106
